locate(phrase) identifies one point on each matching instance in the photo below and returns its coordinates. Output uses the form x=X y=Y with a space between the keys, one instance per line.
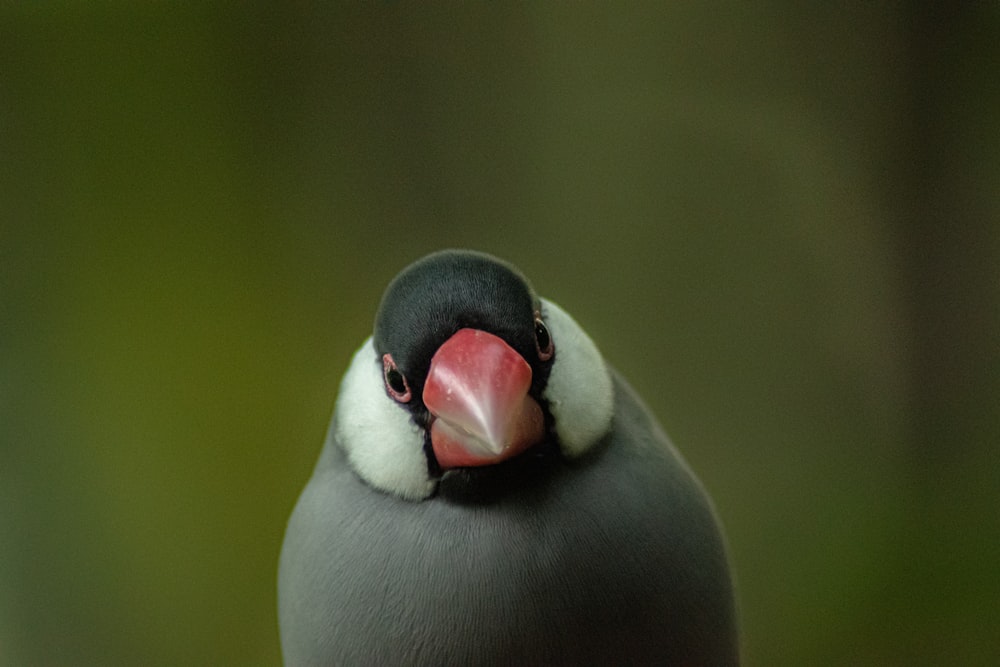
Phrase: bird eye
x=543 y=341
x=395 y=383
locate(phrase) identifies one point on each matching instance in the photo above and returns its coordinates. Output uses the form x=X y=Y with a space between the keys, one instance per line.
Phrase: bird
x=492 y=492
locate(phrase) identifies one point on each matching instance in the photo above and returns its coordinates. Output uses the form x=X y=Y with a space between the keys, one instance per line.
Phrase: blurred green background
x=782 y=224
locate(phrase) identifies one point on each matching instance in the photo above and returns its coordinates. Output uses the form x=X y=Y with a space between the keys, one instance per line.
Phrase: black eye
x=395 y=383
x=543 y=341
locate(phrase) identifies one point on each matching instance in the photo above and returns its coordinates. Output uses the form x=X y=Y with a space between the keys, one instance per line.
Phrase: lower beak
x=477 y=391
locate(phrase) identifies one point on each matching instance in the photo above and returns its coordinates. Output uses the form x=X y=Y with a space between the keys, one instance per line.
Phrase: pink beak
x=477 y=391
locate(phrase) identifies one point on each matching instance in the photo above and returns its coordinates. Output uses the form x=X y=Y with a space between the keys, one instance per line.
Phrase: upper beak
x=477 y=391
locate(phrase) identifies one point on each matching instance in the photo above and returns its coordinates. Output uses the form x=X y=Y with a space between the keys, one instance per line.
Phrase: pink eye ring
x=395 y=382
x=543 y=339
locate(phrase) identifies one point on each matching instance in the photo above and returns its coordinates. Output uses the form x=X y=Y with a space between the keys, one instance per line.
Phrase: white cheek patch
x=579 y=391
x=382 y=444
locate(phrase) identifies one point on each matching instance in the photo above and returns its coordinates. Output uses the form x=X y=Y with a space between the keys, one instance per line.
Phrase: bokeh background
x=780 y=221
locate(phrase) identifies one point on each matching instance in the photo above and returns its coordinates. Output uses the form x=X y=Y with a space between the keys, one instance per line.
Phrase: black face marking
x=530 y=472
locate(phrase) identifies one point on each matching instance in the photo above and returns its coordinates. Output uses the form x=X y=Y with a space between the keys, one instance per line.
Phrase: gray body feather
x=614 y=558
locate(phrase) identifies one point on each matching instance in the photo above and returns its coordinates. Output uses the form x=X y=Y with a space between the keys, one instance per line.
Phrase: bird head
x=467 y=368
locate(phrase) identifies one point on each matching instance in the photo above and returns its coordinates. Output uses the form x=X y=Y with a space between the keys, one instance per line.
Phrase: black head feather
x=449 y=290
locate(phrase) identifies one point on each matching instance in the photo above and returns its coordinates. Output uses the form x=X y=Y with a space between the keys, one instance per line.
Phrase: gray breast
x=612 y=559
